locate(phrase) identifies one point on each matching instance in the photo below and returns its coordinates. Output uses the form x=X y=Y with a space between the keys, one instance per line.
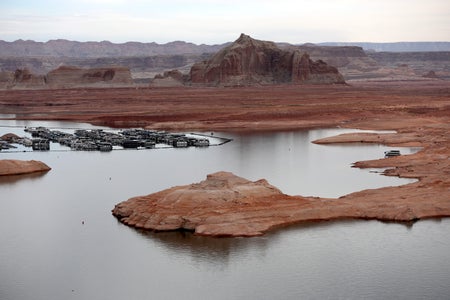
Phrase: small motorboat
x=391 y=153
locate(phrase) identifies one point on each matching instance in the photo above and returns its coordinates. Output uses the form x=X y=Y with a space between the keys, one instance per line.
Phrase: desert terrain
x=254 y=85
x=418 y=110
x=377 y=105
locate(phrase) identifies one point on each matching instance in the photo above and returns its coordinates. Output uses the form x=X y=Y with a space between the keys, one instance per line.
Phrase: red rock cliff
x=249 y=61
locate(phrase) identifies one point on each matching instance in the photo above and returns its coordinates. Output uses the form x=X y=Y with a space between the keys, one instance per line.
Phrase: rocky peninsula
x=227 y=205
x=20 y=167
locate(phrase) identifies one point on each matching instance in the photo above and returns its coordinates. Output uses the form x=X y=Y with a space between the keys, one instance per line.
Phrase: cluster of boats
x=100 y=140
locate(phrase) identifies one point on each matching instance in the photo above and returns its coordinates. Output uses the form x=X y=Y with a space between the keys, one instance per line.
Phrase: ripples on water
x=47 y=253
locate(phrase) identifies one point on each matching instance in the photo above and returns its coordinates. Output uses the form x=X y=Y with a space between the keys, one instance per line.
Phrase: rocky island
x=19 y=167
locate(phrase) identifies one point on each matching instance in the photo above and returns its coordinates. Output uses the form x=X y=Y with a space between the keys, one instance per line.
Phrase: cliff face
x=248 y=61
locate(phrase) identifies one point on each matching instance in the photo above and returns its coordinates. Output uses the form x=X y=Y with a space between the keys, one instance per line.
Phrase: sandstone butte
x=227 y=205
x=250 y=61
x=19 y=167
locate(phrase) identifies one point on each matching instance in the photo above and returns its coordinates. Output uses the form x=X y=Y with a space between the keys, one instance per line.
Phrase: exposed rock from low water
x=18 y=167
x=227 y=205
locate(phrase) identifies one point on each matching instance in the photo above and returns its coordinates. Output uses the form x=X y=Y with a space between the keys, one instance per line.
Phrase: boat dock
x=109 y=140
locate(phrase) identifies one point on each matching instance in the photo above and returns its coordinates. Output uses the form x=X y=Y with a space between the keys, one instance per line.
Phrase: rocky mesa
x=67 y=77
x=248 y=61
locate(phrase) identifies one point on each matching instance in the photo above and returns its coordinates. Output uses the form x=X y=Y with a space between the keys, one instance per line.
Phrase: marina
x=66 y=235
x=42 y=139
x=60 y=241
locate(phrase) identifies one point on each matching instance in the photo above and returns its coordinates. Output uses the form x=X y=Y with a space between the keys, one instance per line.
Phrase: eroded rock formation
x=66 y=76
x=21 y=78
x=228 y=205
x=18 y=167
x=171 y=78
x=248 y=61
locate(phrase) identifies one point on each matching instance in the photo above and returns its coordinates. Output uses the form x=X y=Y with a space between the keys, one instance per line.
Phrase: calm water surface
x=47 y=253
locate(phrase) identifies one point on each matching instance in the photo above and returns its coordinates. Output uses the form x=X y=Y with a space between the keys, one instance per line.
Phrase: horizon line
x=214 y=44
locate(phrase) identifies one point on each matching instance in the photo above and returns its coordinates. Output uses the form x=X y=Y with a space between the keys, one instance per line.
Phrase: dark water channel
x=46 y=252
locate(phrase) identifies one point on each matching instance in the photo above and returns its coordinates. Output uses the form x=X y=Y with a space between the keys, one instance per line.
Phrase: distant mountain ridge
x=66 y=48
x=397 y=47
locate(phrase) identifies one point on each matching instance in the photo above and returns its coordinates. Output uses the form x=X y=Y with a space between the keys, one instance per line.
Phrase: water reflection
x=12 y=179
x=7 y=116
x=47 y=253
x=215 y=252
x=291 y=162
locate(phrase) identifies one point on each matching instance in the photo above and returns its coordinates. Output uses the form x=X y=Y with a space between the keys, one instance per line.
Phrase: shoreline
x=419 y=113
x=15 y=167
x=256 y=209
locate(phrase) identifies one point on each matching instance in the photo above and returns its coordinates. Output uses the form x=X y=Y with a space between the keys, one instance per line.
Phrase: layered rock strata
x=248 y=61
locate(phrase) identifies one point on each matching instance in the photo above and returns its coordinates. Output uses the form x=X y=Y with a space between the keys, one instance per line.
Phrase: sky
x=220 y=21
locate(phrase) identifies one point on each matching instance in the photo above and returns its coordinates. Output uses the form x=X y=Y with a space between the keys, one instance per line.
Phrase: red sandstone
x=419 y=112
x=19 y=167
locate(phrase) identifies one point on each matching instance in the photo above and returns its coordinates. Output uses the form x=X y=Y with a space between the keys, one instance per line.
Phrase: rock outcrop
x=66 y=76
x=6 y=79
x=248 y=61
x=21 y=78
x=228 y=205
x=171 y=78
x=351 y=61
x=18 y=167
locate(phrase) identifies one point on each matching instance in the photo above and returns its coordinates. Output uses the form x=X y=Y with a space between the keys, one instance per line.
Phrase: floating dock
x=109 y=140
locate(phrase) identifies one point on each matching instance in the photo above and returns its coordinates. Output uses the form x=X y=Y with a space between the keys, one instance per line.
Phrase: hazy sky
x=219 y=21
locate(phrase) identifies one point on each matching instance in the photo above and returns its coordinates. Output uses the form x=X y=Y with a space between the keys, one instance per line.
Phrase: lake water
x=47 y=253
